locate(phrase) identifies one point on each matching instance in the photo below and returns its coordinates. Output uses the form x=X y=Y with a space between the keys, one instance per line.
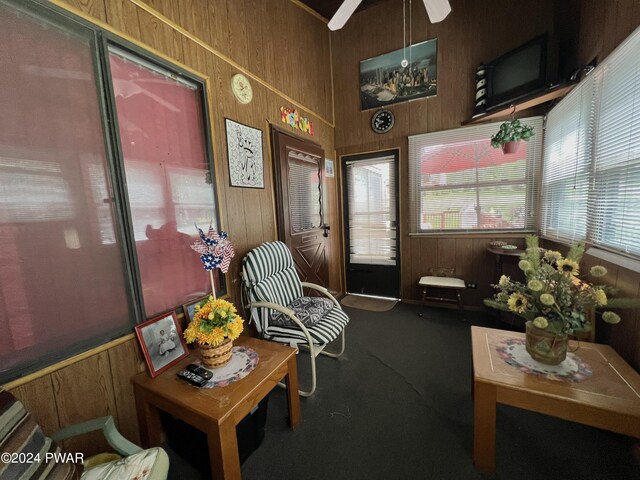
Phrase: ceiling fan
x=436 y=9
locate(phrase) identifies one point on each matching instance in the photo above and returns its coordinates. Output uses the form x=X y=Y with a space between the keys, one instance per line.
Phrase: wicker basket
x=218 y=356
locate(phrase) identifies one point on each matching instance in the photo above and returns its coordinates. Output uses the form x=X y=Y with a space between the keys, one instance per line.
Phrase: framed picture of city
x=383 y=79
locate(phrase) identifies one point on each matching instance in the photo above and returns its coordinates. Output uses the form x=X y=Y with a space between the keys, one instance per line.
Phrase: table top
x=613 y=385
x=503 y=251
x=219 y=402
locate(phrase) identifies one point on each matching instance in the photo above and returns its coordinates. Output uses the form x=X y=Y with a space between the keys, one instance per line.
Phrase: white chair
x=282 y=313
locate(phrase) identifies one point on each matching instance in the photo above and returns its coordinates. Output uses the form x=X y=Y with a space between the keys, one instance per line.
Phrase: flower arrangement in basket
x=215 y=323
x=554 y=300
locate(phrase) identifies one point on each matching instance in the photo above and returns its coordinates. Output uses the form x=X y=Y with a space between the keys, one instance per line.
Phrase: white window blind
x=615 y=207
x=591 y=175
x=566 y=174
x=372 y=211
x=459 y=183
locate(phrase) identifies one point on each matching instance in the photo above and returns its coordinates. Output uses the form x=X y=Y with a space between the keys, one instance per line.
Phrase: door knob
x=326 y=229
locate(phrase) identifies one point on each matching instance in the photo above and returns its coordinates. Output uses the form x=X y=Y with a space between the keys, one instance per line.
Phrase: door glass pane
x=305 y=194
x=169 y=181
x=372 y=211
x=62 y=283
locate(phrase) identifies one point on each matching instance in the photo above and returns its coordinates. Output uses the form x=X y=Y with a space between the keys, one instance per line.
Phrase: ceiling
x=327 y=8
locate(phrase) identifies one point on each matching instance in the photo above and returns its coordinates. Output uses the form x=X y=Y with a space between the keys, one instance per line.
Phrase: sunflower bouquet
x=554 y=297
x=215 y=320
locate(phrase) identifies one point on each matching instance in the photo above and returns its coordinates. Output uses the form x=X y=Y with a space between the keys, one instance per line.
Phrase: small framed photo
x=328 y=168
x=190 y=308
x=162 y=342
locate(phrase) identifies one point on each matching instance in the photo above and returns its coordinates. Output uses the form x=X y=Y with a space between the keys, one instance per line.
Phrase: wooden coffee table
x=217 y=411
x=608 y=399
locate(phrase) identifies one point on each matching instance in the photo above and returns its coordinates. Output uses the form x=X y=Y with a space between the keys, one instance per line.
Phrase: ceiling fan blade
x=343 y=14
x=437 y=9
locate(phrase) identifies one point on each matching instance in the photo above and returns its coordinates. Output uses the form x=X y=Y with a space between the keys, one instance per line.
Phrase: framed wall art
x=244 y=151
x=384 y=80
x=162 y=342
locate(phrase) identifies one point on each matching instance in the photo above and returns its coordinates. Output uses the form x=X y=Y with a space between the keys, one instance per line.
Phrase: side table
x=217 y=411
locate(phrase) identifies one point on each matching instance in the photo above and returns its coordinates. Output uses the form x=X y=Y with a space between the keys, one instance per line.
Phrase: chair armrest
x=322 y=290
x=287 y=311
x=114 y=438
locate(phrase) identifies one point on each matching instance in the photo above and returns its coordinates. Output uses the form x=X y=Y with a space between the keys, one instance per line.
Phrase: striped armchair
x=280 y=310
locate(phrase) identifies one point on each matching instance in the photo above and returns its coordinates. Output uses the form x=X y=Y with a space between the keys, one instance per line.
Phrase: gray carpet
x=398 y=405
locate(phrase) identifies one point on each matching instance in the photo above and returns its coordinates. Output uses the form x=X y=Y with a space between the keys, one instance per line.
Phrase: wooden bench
x=439 y=279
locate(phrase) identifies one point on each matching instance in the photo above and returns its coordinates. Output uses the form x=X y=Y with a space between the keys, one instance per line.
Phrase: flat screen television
x=522 y=71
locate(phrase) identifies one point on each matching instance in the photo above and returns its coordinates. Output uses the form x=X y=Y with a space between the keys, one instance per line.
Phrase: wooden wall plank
x=39 y=399
x=93 y=8
x=84 y=391
x=125 y=361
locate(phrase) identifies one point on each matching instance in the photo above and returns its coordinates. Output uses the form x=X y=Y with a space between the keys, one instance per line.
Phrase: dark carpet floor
x=397 y=405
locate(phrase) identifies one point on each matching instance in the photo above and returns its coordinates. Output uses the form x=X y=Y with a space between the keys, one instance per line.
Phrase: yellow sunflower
x=517 y=302
x=568 y=267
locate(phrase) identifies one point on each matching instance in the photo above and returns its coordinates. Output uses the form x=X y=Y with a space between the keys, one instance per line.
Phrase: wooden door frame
x=342 y=207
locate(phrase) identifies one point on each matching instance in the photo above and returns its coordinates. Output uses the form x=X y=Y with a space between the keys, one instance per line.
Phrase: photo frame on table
x=162 y=342
x=189 y=309
x=244 y=153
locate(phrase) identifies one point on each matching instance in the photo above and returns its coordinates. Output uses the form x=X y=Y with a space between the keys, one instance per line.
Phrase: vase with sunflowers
x=554 y=300
x=216 y=323
x=214 y=326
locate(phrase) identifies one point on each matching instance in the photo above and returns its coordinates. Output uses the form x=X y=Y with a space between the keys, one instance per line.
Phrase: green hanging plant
x=511 y=131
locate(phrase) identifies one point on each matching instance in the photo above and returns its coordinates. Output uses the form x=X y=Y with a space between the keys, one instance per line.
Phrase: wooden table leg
x=149 y=423
x=293 y=397
x=223 y=451
x=484 y=427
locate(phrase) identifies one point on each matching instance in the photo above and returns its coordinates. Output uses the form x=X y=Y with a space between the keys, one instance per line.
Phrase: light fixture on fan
x=436 y=9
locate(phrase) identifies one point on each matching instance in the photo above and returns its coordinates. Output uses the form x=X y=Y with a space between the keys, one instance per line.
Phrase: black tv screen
x=517 y=73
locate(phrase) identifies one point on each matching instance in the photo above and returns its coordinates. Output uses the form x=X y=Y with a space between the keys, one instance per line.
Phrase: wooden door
x=299 y=175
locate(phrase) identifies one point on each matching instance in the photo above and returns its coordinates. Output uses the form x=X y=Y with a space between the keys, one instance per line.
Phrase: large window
x=459 y=183
x=69 y=278
x=591 y=178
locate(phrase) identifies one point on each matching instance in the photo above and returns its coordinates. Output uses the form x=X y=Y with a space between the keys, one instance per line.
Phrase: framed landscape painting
x=384 y=81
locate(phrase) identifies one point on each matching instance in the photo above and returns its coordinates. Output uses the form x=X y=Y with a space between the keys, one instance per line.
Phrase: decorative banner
x=215 y=252
x=294 y=120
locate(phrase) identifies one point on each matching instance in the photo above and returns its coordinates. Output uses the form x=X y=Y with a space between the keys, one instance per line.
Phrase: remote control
x=192 y=378
x=198 y=370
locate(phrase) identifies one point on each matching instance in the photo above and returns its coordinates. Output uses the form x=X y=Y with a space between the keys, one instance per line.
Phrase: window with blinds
x=459 y=183
x=305 y=194
x=567 y=165
x=372 y=218
x=591 y=177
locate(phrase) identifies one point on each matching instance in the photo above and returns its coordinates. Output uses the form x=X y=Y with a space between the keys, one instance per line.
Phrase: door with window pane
x=371 y=224
x=299 y=167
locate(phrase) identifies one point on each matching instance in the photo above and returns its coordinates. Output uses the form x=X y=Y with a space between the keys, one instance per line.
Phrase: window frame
x=531 y=182
x=99 y=38
x=111 y=39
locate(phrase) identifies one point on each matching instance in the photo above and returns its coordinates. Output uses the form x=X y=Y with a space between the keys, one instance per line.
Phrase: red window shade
x=62 y=283
x=169 y=180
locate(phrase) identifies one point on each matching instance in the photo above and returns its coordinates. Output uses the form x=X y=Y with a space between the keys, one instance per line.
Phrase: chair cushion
x=309 y=311
x=20 y=434
x=442 y=282
x=151 y=464
x=326 y=331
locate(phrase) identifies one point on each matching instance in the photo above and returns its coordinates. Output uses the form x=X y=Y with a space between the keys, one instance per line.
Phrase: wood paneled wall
x=286 y=53
x=473 y=33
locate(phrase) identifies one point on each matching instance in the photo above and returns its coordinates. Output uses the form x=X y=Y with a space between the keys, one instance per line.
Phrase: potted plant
x=554 y=300
x=215 y=323
x=214 y=327
x=510 y=134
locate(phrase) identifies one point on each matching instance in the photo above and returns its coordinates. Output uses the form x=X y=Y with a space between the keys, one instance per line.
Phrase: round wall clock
x=241 y=88
x=382 y=121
